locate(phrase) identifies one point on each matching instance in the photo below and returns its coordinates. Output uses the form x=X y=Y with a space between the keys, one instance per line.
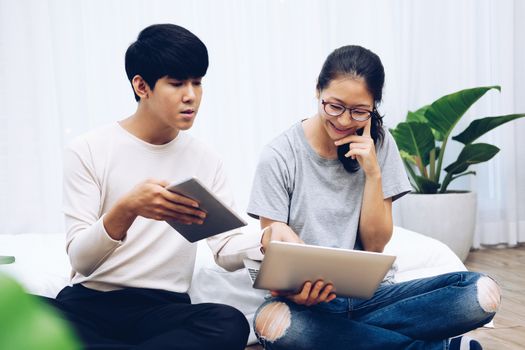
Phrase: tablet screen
x=220 y=218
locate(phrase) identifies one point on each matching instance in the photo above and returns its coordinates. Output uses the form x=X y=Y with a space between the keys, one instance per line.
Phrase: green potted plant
x=422 y=140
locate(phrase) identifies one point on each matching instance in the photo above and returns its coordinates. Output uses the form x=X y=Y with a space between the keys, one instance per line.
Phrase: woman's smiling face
x=349 y=92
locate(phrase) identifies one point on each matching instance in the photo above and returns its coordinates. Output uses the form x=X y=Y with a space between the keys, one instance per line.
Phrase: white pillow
x=213 y=284
x=420 y=256
x=41 y=265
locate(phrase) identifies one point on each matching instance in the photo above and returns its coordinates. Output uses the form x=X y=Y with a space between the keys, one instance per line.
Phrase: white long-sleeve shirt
x=104 y=165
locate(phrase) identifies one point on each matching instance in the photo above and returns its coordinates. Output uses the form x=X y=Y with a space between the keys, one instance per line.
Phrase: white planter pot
x=448 y=217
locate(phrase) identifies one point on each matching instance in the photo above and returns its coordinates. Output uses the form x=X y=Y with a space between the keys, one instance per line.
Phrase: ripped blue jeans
x=418 y=314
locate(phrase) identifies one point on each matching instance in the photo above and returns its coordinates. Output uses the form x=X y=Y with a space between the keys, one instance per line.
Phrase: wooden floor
x=507 y=266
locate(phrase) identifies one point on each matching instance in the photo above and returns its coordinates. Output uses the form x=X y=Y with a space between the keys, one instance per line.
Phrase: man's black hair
x=166 y=50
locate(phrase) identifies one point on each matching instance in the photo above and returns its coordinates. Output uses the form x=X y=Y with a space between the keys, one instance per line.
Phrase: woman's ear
x=140 y=86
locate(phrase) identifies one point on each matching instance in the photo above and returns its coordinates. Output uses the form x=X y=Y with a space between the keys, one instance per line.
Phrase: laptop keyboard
x=253 y=273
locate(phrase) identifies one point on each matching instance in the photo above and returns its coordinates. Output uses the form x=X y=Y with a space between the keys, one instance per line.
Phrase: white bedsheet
x=42 y=267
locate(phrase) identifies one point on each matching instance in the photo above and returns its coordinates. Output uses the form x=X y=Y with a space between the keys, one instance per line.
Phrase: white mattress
x=42 y=267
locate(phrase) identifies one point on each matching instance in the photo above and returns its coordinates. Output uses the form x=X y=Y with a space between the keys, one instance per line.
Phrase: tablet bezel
x=219 y=218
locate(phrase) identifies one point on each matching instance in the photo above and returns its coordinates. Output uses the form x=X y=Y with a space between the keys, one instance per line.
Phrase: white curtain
x=62 y=73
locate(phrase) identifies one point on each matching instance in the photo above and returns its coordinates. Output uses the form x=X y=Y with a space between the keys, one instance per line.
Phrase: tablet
x=287 y=266
x=220 y=218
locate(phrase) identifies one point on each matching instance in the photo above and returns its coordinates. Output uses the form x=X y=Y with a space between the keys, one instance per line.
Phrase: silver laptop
x=287 y=266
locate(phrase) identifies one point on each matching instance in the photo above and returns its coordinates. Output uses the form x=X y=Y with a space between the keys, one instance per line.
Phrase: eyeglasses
x=336 y=110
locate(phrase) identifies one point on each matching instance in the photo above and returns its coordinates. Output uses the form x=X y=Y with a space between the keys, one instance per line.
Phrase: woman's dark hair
x=166 y=50
x=358 y=62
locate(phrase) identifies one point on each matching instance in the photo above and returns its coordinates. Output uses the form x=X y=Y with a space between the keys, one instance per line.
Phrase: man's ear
x=141 y=87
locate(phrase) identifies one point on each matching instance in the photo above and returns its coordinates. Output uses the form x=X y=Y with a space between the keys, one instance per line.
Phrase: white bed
x=42 y=267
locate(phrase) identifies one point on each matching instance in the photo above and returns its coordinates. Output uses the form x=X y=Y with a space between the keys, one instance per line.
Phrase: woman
x=330 y=180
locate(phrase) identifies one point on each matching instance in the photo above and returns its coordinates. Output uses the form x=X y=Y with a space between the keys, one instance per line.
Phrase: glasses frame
x=370 y=113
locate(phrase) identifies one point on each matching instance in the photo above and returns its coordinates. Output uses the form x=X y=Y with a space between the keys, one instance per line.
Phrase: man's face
x=175 y=102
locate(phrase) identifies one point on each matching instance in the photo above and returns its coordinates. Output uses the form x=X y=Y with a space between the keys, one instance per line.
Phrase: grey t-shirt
x=316 y=196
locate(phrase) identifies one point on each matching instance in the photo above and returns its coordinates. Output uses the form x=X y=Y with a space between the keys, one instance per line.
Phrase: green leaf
x=437 y=135
x=418 y=116
x=426 y=185
x=444 y=113
x=472 y=154
x=27 y=323
x=481 y=126
x=415 y=138
x=412 y=175
x=408 y=157
x=463 y=174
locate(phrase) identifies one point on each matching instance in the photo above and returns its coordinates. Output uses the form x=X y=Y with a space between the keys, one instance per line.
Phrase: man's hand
x=310 y=295
x=150 y=199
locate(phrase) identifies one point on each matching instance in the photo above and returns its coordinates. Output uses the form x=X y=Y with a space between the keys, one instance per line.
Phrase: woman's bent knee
x=489 y=294
x=272 y=321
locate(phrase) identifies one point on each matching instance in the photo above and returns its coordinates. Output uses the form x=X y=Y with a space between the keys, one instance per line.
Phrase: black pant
x=136 y=318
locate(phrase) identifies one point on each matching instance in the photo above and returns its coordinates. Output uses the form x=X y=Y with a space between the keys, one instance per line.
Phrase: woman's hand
x=278 y=231
x=363 y=149
x=310 y=295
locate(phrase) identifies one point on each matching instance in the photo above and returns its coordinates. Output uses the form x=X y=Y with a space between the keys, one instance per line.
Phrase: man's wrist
x=119 y=219
x=125 y=208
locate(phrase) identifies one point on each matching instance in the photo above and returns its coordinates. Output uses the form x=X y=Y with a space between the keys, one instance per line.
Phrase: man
x=130 y=270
